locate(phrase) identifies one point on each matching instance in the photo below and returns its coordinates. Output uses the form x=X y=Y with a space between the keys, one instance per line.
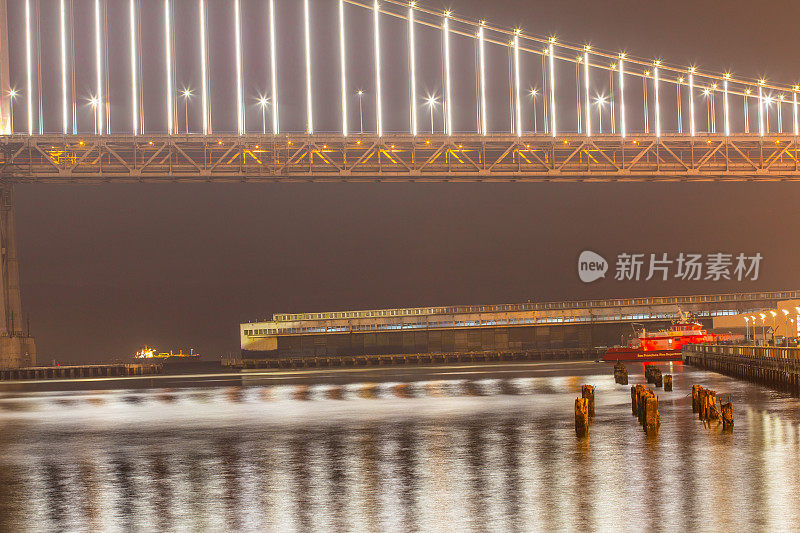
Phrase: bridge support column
x=17 y=349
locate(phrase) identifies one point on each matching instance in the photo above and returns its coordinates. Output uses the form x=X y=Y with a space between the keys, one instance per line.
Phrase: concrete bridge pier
x=17 y=348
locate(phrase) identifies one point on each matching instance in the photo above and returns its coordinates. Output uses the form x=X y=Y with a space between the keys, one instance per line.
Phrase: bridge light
x=168 y=61
x=448 y=103
x=658 y=110
x=552 y=87
x=691 y=101
x=621 y=96
x=63 y=41
x=517 y=110
x=273 y=67
x=725 y=105
x=98 y=65
x=28 y=62
x=413 y=68
x=263 y=102
x=794 y=114
x=204 y=97
x=342 y=68
x=378 y=96
x=586 y=91
x=307 y=35
x=240 y=119
x=134 y=73
x=760 y=109
x=482 y=74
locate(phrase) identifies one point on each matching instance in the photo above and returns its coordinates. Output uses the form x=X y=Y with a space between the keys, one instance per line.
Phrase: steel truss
x=396 y=158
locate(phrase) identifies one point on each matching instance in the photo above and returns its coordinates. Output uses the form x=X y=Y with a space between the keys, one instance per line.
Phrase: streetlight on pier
x=361 y=110
x=763 y=327
x=773 y=313
x=186 y=93
x=746 y=330
x=534 y=92
x=431 y=102
x=263 y=102
x=786 y=324
x=600 y=101
x=13 y=93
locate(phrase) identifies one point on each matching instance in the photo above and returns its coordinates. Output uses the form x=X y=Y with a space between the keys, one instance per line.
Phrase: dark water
x=496 y=451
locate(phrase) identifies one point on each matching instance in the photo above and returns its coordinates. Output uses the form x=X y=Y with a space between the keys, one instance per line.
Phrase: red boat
x=665 y=344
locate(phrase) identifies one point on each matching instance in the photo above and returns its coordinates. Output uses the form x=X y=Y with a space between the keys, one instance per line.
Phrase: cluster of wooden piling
x=704 y=403
x=584 y=410
x=653 y=375
x=620 y=373
x=644 y=405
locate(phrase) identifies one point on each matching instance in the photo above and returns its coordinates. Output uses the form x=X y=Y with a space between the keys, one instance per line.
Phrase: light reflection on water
x=487 y=453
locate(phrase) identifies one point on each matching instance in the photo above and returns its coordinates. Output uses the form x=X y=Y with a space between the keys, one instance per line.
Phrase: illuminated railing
x=774 y=352
x=477 y=323
x=543 y=306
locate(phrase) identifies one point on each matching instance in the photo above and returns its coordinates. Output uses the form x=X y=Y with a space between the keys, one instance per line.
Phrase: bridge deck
x=397 y=157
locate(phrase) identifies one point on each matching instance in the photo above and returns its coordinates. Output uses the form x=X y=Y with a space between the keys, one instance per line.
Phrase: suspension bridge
x=559 y=111
x=567 y=112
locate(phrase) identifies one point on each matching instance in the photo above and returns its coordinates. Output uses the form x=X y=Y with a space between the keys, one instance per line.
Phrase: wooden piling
x=620 y=373
x=657 y=379
x=652 y=417
x=587 y=391
x=713 y=411
x=668 y=383
x=696 y=398
x=581 y=417
x=727 y=416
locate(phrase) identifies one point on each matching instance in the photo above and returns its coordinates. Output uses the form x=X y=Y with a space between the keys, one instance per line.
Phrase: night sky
x=106 y=269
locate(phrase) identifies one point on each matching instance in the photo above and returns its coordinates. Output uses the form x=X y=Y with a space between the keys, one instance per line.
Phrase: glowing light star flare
x=307 y=35
x=517 y=110
x=586 y=89
x=204 y=96
x=794 y=102
x=99 y=66
x=343 y=70
x=448 y=104
x=134 y=76
x=240 y=124
x=760 y=112
x=482 y=66
x=273 y=67
x=168 y=62
x=552 y=90
x=378 y=97
x=63 y=40
x=413 y=69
